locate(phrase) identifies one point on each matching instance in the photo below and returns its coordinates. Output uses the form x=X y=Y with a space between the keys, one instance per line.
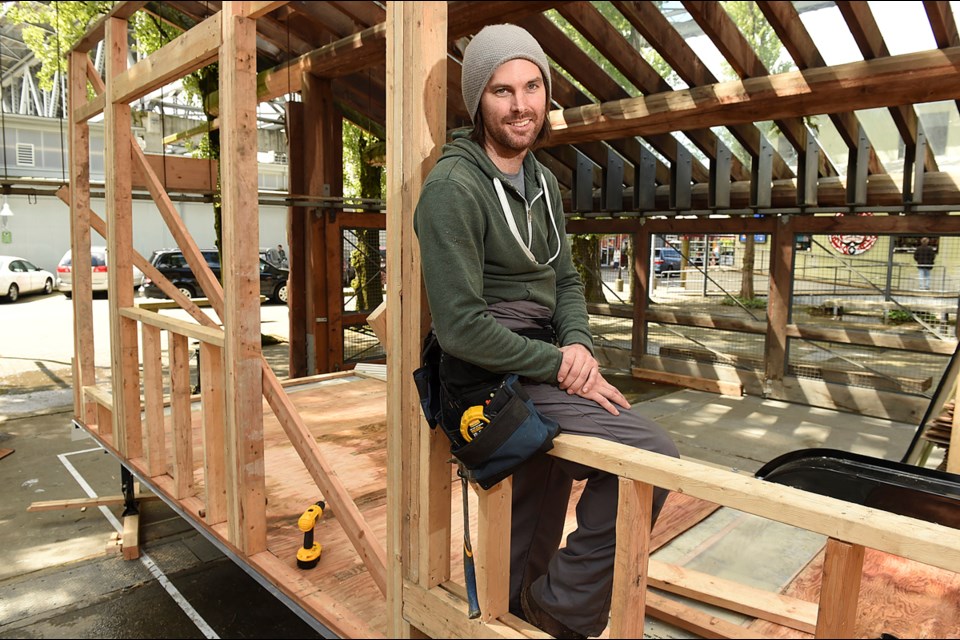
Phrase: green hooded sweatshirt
x=471 y=259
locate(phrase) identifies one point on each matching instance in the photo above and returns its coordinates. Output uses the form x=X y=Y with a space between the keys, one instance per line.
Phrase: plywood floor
x=346 y=415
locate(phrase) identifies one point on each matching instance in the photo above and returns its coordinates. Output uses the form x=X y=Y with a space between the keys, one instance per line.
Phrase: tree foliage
x=51 y=29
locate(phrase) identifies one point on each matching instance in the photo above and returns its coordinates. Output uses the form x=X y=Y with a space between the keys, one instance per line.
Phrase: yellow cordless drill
x=309 y=555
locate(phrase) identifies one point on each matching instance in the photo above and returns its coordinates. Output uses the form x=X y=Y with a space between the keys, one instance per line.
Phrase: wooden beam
x=839 y=589
x=900 y=535
x=181 y=418
x=909 y=78
x=85 y=503
x=125 y=379
x=213 y=404
x=690 y=382
x=246 y=495
x=254 y=10
x=191 y=50
x=155 y=441
x=634 y=521
x=418 y=508
x=84 y=373
x=203 y=334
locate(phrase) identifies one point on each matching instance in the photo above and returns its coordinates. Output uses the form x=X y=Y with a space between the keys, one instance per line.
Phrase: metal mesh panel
x=360 y=344
x=715 y=346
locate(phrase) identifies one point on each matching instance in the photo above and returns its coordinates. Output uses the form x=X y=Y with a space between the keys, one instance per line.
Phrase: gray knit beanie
x=494 y=45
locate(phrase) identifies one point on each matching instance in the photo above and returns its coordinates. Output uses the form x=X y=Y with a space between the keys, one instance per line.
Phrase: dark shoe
x=539 y=618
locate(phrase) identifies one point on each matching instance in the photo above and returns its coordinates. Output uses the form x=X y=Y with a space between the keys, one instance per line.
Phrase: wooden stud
x=634 y=522
x=181 y=419
x=119 y=200
x=241 y=282
x=84 y=372
x=156 y=446
x=416 y=130
x=212 y=396
x=492 y=552
x=640 y=245
x=130 y=537
x=839 y=590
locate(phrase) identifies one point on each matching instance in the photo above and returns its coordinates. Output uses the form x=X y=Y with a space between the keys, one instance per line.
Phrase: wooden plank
x=191 y=50
x=630 y=574
x=84 y=372
x=750 y=601
x=4 y=453
x=180 y=420
x=190 y=175
x=441 y=612
x=241 y=281
x=691 y=382
x=840 y=589
x=130 y=536
x=914 y=539
x=206 y=335
x=83 y=503
x=953 y=450
x=908 y=78
x=156 y=445
x=297 y=223
x=378 y=322
x=124 y=359
x=688 y=618
x=493 y=550
x=212 y=394
x=415 y=118
x=254 y=10
x=779 y=302
x=679 y=513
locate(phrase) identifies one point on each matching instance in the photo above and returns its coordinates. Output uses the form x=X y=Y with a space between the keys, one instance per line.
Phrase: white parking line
x=145 y=559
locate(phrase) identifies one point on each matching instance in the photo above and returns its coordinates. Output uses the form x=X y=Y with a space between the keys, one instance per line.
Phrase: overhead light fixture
x=6 y=211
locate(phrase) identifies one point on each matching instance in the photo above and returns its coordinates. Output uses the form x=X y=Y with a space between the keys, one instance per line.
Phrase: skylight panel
x=831 y=35
x=904 y=25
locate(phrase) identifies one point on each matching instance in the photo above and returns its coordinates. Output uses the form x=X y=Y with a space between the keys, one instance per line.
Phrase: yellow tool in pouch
x=472 y=422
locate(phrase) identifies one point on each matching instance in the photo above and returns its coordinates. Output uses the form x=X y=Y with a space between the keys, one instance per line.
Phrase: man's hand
x=577 y=369
x=606 y=395
x=580 y=375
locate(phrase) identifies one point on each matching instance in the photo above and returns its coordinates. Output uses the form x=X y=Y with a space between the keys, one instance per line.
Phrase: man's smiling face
x=513 y=106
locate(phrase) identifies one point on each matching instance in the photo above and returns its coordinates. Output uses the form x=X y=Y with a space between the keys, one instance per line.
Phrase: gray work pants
x=574 y=583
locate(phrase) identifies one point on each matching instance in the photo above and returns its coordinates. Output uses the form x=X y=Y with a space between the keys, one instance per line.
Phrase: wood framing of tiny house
x=240 y=460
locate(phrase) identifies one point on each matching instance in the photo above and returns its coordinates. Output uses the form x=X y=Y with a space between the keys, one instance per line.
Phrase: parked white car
x=19 y=276
x=98 y=264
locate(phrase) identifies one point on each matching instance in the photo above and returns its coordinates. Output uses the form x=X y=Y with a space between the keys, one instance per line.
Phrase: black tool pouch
x=516 y=430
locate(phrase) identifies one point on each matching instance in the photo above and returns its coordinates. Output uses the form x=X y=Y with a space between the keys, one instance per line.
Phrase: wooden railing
x=850 y=529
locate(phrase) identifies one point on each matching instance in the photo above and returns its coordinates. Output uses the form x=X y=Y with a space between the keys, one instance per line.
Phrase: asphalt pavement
x=62 y=574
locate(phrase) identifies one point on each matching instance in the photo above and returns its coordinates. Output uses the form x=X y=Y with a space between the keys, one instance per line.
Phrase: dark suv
x=666 y=261
x=172 y=264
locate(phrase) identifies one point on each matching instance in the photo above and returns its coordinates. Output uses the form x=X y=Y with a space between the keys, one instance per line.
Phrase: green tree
x=363 y=178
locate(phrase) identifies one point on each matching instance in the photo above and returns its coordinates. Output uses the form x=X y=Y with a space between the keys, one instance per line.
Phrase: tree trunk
x=746 y=269
x=586 y=258
x=365 y=259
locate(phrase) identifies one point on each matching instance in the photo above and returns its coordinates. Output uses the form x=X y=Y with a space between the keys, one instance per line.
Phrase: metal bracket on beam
x=761 y=176
x=681 y=172
x=718 y=195
x=582 y=195
x=645 y=181
x=808 y=170
x=913 y=169
x=611 y=192
x=857 y=166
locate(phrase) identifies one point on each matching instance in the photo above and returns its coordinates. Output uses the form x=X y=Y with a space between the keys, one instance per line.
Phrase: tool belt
x=508 y=429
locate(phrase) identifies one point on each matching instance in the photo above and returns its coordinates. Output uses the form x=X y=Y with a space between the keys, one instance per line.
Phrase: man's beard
x=504 y=135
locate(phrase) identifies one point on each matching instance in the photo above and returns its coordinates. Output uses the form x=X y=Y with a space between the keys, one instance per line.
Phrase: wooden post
x=119 y=200
x=640 y=250
x=418 y=496
x=212 y=394
x=839 y=589
x=153 y=401
x=297 y=223
x=779 y=301
x=323 y=167
x=181 y=419
x=493 y=550
x=84 y=372
x=241 y=281
x=634 y=521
